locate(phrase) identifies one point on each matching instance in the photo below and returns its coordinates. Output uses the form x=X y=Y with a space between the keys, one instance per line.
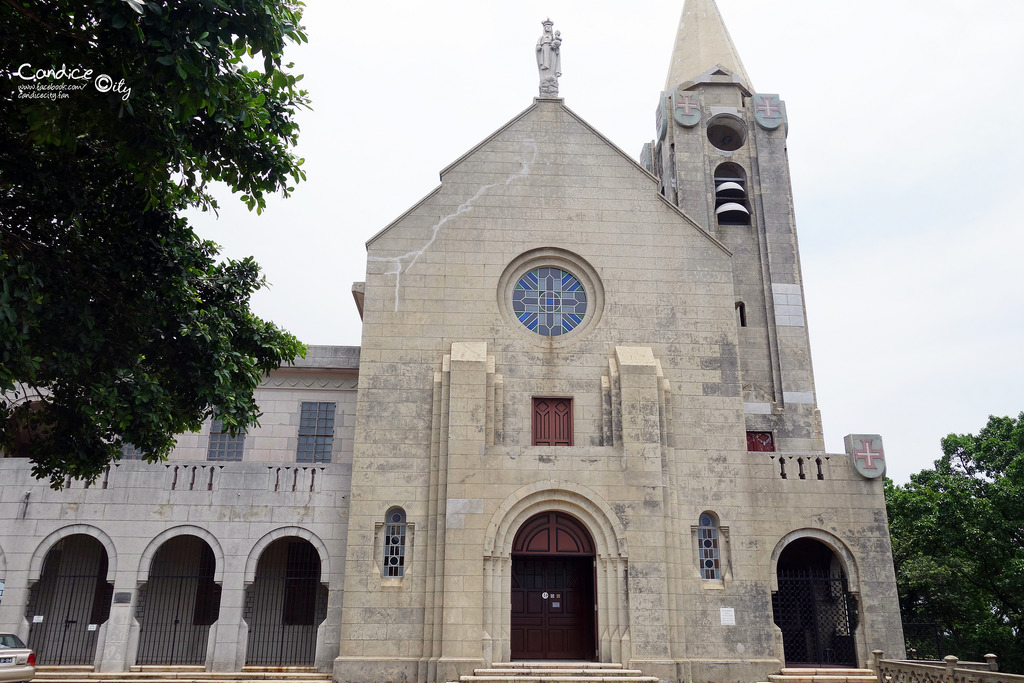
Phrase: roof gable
x=548 y=118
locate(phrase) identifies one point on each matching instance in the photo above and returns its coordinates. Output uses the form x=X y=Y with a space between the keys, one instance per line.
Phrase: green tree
x=958 y=542
x=116 y=116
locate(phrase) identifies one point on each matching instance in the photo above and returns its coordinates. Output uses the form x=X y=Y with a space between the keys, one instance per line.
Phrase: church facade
x=581 y=425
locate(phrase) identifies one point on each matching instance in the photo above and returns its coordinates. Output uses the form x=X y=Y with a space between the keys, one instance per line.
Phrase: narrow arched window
x=741 y=312
x=394 y=543
x=708 y=552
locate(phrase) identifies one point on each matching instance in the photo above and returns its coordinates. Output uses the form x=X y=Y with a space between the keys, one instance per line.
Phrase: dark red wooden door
x=553 y=608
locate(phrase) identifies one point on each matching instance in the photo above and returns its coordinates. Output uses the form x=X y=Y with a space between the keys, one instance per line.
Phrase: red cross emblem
x=685 y=103
x=685 y=109
x=867 y=456
x=769 y=109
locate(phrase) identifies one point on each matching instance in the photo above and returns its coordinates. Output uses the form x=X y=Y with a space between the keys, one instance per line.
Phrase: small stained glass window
x=549 y=301
x=707 y=548
x=394 y=543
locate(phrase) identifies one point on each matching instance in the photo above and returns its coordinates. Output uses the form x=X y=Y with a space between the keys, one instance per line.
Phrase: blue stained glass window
x=549 y=301
x=708 y=550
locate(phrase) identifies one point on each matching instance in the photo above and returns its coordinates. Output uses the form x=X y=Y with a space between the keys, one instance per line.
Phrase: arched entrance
x=284 y=605
x=69 y=602
x=178 y=604
x=553 y=596
x=814 y=607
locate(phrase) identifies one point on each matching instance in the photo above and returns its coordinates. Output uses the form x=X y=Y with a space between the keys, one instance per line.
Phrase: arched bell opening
x=553 y=595
x=732 y=206
x=813 y=606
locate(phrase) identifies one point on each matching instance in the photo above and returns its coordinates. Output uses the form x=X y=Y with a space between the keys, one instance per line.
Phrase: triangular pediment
x=574 y=159
x=719 y=75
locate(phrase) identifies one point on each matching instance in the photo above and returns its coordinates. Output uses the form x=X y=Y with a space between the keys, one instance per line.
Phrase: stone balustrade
x=949 y=670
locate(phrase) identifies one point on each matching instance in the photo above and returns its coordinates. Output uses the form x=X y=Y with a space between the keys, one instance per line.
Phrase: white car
x=17 y=662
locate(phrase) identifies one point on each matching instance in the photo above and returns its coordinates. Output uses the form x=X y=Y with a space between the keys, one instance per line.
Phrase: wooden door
x=552 y=608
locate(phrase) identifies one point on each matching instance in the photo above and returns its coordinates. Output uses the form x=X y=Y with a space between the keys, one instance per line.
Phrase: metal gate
x=818 y=617
x=285 y=605
x=69 y=602
x=178 y=604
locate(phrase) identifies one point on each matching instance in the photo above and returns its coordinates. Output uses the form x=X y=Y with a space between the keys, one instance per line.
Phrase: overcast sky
x=905 y=144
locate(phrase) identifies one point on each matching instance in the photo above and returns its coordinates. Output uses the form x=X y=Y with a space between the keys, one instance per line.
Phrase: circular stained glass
x=549 y=301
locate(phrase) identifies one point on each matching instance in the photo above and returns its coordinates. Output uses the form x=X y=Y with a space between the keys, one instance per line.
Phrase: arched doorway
x=69 y=602
x=178 y=604
x=284 y=605
x=814 y=607
x=553 y=596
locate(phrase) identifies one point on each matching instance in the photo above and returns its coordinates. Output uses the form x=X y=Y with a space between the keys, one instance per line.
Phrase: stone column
x=463 y=627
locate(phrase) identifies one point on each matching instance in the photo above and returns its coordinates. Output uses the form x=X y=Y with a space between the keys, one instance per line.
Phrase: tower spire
x=702 y=43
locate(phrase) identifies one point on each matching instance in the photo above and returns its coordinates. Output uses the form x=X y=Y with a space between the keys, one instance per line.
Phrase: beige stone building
x=581 y=425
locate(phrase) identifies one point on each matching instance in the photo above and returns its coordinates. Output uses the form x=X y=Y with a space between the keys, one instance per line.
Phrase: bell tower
x=720 y=156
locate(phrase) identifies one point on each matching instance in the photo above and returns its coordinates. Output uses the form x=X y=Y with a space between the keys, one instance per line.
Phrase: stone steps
x=180 y=674
x=557 y=672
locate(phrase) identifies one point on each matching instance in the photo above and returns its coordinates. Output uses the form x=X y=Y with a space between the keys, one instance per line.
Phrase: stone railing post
x=876 y=663
x=993 y=665
x=951 y=662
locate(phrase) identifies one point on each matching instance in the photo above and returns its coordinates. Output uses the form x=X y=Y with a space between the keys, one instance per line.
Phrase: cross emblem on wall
x=866 y=454
x=685 y=103
x=768 y=108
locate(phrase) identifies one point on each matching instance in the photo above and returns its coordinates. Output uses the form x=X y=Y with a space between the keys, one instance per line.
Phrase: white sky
x=905 y=147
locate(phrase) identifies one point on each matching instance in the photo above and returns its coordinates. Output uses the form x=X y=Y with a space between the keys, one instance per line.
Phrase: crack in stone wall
x=405 y=261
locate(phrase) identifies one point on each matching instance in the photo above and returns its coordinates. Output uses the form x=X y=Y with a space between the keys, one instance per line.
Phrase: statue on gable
x=549 y=59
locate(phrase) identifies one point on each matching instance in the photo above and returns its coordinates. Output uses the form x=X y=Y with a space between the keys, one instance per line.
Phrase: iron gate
x=818 y=617
x=178 y=604
x=285 y=605
x=69 y=602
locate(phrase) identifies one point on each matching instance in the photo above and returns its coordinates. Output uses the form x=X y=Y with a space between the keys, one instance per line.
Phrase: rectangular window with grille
x=223 y=446
x=316 y=432
x=130 y=452
x=552 y=422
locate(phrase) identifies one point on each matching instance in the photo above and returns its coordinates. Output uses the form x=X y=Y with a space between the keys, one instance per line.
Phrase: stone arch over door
x=146 y=560
x=849 y=564
x=610 y=553
x=35 y=566
x=285 y=532
x=814 y=600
